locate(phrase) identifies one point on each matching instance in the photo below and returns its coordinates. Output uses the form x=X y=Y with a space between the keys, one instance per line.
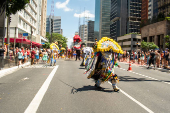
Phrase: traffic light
x=51 y=25
x=95 y=39
x=137 y=43
x=9 y=19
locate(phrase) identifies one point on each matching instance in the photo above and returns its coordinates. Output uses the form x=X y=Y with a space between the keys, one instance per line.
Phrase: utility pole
x=31 y=37
x=15 y=37
x=51 y=30
x=8 y=34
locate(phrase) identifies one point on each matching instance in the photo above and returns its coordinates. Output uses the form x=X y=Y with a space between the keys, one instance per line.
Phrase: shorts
x=19 y=59
x=37 y=56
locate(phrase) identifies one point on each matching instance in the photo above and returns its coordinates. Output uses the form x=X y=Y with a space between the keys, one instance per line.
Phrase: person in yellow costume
x=101 y=67
x=53 y=55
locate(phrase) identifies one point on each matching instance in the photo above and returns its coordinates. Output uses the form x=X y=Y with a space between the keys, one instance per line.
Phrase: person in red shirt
x=32 y=56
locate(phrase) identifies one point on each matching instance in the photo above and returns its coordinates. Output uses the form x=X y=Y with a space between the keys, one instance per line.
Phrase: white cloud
x=63 y=5
x=86 y=13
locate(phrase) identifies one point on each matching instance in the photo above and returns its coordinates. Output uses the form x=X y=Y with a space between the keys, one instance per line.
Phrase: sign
x=42 y=42
x=25 y=34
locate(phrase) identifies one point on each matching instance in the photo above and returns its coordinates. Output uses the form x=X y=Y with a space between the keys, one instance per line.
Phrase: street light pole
x=31 y=37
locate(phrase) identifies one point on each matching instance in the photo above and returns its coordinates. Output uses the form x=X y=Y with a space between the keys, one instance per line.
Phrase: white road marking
x=148 y=77
x=33 y=106
x=137 y=102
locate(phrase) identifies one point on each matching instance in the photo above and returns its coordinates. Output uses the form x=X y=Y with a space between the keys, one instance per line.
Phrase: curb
x=7 y=71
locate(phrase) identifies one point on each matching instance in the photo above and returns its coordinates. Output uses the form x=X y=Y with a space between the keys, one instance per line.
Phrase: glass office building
x=102 y=18
x=134 y=16
x=118 y=18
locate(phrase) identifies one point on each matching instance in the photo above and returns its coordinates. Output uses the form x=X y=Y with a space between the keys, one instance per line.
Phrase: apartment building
x=53 y=23
x=29 y=19
x=83 y=33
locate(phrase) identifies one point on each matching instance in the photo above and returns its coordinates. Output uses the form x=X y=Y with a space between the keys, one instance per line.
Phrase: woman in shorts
x=20 y=54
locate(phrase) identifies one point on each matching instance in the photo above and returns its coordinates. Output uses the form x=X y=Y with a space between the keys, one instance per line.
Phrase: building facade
x=164 y=7
x=134 y=16
x=102 y=19
x=83 y=33
x=125 y=17
x=129 y=42
x=29 y=19
x=90 y=33
x=145 y=9
x=53 y=23
x=155 y=7
x=156 y=33
x=118 y=18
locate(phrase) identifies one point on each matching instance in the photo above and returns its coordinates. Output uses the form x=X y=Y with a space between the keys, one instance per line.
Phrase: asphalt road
x=65 y=89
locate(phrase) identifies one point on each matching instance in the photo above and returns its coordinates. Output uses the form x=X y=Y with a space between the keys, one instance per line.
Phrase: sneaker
x=116 y=90
x=147 y=67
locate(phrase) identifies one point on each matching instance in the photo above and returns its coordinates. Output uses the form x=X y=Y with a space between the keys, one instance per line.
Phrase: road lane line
x=33 y=106
x=137 y=102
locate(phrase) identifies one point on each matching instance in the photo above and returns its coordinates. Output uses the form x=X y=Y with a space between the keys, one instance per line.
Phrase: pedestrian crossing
x=39 y=66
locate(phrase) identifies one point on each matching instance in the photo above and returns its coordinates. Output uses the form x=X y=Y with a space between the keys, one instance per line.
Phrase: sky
x=70 y=11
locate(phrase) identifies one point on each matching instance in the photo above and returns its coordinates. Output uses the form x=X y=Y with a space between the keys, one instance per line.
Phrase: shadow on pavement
x=81 y=68
x=132 y=79
x=87 y=88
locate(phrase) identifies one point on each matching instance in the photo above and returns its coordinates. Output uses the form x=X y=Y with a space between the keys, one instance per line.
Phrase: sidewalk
x=7 y=71
x=151 y=67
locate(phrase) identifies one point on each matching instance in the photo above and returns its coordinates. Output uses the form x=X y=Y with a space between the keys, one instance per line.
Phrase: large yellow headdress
x=107 y=44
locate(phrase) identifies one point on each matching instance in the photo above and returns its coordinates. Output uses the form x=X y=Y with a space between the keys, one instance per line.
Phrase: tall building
x=118 y=18
x=145 y=9
x=83 y=32
x=164 y=7
x=150 y=8
x=155 y=7
x=90 y=32
x=43 y=18
x=29 y=18
x=54 y=22
x=125 y=17
x=102 y=19
x=134 y=16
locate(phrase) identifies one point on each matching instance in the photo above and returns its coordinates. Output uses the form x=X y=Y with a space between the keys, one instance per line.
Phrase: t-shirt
x=33 y=54
x=152 y=55
x=2 y=52
x=20 y=54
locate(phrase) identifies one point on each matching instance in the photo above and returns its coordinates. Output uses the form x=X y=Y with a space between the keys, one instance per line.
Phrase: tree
x=59 y=38
x=148 y=45
x=167 y=41
x=12 y=6
x=46 y=45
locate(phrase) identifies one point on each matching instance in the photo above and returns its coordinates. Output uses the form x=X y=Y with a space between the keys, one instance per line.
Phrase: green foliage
x=154 y=19
x=167 y=41
x=46 y=45
x=148 y=45
x=57 y=37
x=132 y=33
x=12 y=6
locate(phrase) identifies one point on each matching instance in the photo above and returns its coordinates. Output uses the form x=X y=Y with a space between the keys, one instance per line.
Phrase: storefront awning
x=24 y=41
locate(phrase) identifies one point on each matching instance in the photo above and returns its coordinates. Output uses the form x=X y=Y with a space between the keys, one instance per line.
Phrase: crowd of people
x=23 y=55
x=159 y=59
